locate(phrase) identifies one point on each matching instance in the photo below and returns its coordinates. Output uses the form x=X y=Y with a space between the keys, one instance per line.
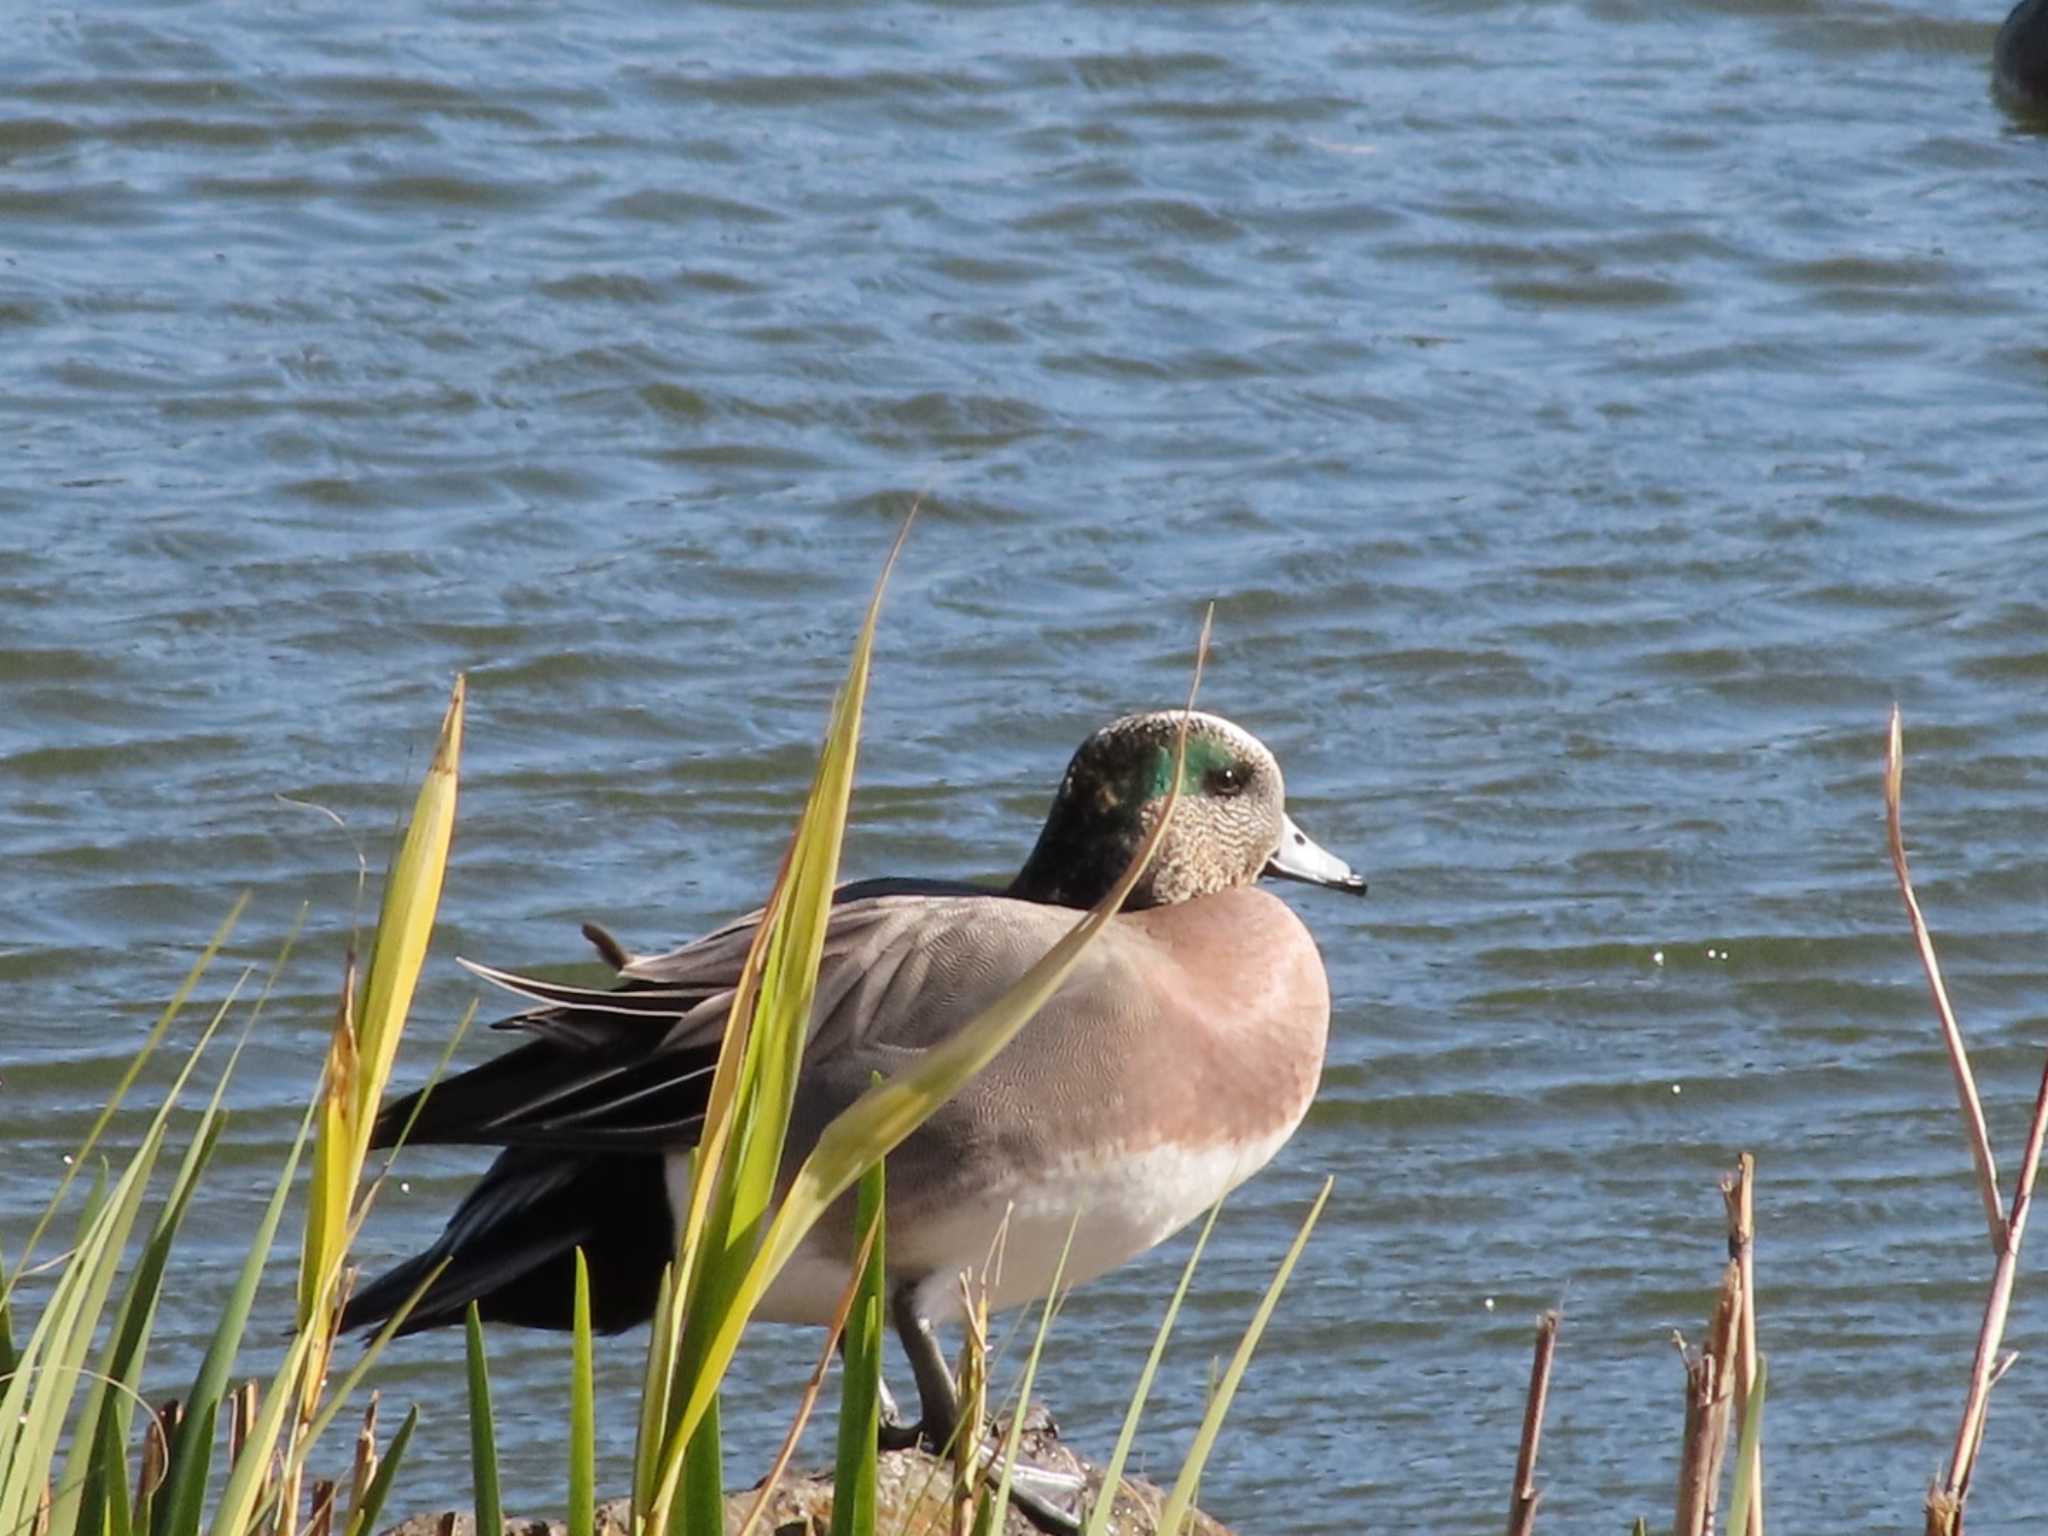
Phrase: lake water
x=1588 y=418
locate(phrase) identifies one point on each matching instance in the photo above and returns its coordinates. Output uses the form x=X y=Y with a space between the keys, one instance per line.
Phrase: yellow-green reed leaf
x=753 y=1085
x=877 y=1122
x=860 y=1386
x=364 y=1044
x=1113 y=1475
x=38 y=1399
x=1747 y=1461
x=767 y=1028
x=1181 y=1500
x=795 y=926
x=582 y=1412
x=412 y=895
x=365 y=1517
x=332 y=1185
x=483 y=1430
x=127 y=1081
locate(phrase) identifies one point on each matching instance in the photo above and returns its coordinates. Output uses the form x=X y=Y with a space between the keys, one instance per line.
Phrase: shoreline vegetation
x=82 y=1453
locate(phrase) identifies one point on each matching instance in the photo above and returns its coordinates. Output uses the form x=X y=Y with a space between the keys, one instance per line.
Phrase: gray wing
x=630 y=1067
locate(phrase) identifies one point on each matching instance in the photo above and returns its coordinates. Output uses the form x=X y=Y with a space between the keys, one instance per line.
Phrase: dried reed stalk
x=364 y=1470
x=156 y=1449
x=320 y=1518
x=242 y=1405
x=1951 y=1033
x=1522 y=1508
x=2008 y=1228
x=965 y=1451
x=1945 y=1504
x=1709 y=1380
x=1738 y=1194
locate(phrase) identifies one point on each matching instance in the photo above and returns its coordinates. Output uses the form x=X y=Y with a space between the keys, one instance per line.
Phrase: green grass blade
x=582 y=1414
x=1746 y=1456
x=483 y=1432
x=654 y=1390
x=860 y=1394
x=701 y=1506
x=114 y=1395
x=1181 y=1500
x=106 y=1499
x=109 y=1411
x=127 y=1081
x=364 y=1520
x=192 y=1451
x=1113 y=1475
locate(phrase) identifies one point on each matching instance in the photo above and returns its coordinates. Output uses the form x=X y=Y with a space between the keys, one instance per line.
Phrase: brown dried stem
x=1951 y=1033
x=1709 y=1380
x=1945 y=1505
x=363 y=1471
x=1738 y=1192
x=1522 y=1508
x=1945 y=1502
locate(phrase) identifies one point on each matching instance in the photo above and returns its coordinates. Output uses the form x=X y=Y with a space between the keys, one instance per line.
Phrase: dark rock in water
x=912 y=1494
x=2019 y=58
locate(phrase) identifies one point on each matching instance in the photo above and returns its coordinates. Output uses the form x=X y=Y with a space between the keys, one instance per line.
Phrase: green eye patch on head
x=1206 y=757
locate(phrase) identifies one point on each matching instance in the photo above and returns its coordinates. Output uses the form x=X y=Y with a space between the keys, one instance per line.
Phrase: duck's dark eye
x=1228 y=779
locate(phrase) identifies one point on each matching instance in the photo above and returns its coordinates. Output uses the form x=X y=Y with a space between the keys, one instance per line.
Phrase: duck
x=2019 y=56
x=1176 y=1060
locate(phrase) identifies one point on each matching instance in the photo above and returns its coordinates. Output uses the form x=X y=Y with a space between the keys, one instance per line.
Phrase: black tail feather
x=511 y=1247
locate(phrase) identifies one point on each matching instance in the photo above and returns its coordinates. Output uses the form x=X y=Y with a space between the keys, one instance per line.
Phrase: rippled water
x=1588 y=417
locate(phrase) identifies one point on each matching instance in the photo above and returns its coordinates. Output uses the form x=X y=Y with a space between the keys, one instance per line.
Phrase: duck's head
x=1230 y=826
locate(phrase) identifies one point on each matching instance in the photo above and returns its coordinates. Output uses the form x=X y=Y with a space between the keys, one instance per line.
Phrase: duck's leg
x=938 y=1400
x=938 y=1405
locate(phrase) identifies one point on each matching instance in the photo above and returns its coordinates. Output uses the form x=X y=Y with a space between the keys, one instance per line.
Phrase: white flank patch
x=1128 y=1201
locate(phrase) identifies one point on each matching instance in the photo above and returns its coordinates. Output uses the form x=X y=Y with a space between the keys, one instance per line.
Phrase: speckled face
x=1228 y=820
x=1229 y=826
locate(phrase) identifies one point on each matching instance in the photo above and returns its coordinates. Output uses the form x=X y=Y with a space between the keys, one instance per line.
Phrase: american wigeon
x=1171 y=1066
x=2019 y=57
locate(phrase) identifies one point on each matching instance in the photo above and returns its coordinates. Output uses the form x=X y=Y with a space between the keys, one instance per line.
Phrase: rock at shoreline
x=912 y=1490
